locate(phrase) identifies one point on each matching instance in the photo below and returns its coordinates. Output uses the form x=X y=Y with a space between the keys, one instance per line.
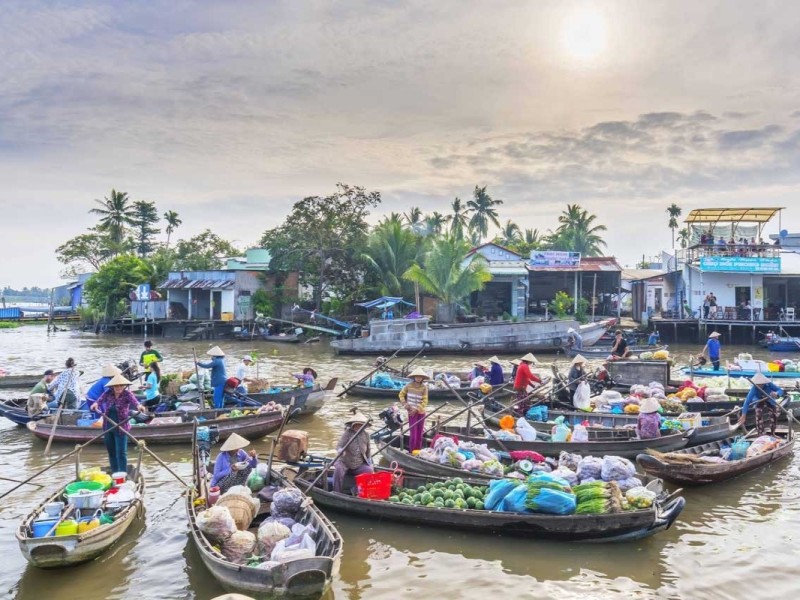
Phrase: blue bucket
x=40 y=528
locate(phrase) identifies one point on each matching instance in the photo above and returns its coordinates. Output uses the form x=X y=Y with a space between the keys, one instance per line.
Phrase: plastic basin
x=76 y=486
x=40 y=528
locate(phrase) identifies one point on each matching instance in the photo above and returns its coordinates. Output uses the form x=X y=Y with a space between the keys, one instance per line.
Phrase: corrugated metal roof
x=731 y=215
x=198 y=284
x=589 y=264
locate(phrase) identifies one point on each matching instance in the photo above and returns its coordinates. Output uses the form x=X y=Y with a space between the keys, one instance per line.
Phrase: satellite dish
x=783 y=233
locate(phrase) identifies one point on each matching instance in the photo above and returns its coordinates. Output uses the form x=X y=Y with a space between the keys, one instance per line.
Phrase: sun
x=583 y=34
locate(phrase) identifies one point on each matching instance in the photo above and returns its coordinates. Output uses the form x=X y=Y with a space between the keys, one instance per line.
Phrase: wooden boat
x=252 y=426
x=695 y=473
x=19 y=381
x=16 y=410
x=68 y=550
x=706 y=372
x=710 y=409
x=629 y=525
x=628 y=372
x=627 y=448
x=434 y=394
x=602 y=352
x=782 y=344
x=308 y=577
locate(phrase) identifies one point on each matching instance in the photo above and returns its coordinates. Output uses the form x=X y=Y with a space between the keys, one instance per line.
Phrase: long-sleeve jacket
x=66 y=380
x=496 y=375
x=123 y=403
x=357 y=453
x=575 y=373
x=217 y=366
x=415 y=395
x=755 y=396
x=222 y=464
x=524 y=377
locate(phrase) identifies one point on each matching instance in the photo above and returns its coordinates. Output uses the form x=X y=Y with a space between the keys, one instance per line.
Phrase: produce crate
x=690 y=420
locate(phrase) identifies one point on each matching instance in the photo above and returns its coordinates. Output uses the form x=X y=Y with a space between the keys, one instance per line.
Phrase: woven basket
x=241 y=510
x=174 y=387
x=258 y=385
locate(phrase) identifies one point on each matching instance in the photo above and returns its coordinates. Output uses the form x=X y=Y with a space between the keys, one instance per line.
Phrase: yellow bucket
x=773 y=367
x=68 y=527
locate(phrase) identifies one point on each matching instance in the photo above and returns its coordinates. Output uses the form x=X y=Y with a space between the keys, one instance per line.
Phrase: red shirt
x=524 y=377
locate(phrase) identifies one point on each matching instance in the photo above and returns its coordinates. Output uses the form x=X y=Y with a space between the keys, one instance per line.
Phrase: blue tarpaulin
x=384 y=302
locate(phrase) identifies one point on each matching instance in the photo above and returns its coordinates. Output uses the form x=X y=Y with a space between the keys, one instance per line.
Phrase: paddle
x=778 y=404
x=477 y=418
x=54 y=463
x=327 y=467
x=399 y=434
x=289 y=412
x=404 y=368
x=378 y=368
x=58 y=412
x=18 y=481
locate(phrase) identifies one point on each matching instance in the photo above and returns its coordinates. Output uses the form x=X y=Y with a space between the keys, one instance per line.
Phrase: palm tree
x=413 y=216
x=115 y=215
x=391 y=250
x=435 y=222
x=173 y=222
x=683 y=237
x=445 y=276
x=674 y=212
x=482 y=207
x=577 y=232
x=510 y=234
x=529 y=240
x=459 y=219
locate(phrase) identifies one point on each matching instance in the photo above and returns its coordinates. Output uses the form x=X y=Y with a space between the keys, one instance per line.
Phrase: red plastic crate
x=374 y=486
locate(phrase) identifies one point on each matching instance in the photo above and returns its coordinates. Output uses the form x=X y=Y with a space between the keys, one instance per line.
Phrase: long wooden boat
x=602 y=352
x=16 y=410
x=410 y=336
x=625 y=526
x=706 y=372
x=710 y=409
x=68 y=550
x=308 y=577
x=782 y=344
x=434 y=394
x=19 y=381
x=251 y=427
x=627 y=448
x=698 y=473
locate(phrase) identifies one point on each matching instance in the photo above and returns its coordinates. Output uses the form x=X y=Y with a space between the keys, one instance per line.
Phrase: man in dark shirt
x=620 y=347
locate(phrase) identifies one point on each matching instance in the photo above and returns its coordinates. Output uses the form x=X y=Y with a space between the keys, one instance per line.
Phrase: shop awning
x=731 y=215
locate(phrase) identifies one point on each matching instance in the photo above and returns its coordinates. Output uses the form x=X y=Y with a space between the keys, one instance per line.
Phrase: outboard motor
x=392 y=418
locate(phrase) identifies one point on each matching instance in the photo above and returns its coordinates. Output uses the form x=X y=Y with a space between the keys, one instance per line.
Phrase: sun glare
x=584 y=34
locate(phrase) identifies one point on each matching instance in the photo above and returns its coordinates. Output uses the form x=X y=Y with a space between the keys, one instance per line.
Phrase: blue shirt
x=151 y=392
x=756 y=395
x=222 y=466
x=97 y=389
x=217 y=366
x=496 y=375
x=713 y=348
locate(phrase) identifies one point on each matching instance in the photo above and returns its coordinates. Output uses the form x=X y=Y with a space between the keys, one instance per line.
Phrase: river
x=736 y=540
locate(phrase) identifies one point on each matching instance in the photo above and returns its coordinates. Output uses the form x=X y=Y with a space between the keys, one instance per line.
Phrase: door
x=216 y=305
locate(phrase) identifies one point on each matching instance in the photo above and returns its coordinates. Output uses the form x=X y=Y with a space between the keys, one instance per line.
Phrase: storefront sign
x=741 y=264
x=555 y=259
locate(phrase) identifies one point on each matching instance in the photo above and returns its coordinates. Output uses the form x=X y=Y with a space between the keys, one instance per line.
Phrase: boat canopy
x=384 y=302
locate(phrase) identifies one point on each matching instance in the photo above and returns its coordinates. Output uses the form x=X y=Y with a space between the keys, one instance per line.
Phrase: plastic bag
x=269 y=534
x=569 y=460
x=629 y=484
x=551 y=480
x=472 y=465
x=580 y=434
x=537 y=413
x=514 y=501
x=287 y=503
x=530 y=455
x=552 y=502
x=590 y=467
x=567 y=475
x=616 y=468
x=299 y=545
x=640 y=497
x=239 y=546
x=739 y=449
x=582 y=397
x=561 y=430
x=493 y=468
x=526 y=430
x=498 y=489
x=255 y=482
x=216 y=523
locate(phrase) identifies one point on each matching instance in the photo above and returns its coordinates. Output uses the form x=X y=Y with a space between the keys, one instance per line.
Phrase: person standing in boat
x=711 y=351
x=355 y=459
x=574 y=339
x=218 y=376
x=478 y=370
x=414 y=398
x=233 y=465
x=115 y=405
x=243 y=373
x=525 y=378
x=496 y=375
x=514 y=366
x=152 y=382
x=99 y=386
x=66 y=388
x=648 y=425
x=149 y=355
x=763 y=397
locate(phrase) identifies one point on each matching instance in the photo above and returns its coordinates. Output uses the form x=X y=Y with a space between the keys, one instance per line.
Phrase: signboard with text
x=555 y=258
x=741 y=264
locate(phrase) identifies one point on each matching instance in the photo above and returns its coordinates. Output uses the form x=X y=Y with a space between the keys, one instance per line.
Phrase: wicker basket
x=258 y=385
x=241 y=510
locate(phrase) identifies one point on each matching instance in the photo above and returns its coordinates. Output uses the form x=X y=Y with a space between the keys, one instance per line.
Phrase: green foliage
x=683 y=237
x=483 y=211
x=529 y=240
x=204 y=252
x=444 y=275
x=89 y=316
x=674 y=212
x=173 y=222
x=116 y=215
x=560 y=305
x=9 y=324
x=577 y=232
x=324 y=238
x=145 y=216
x=112 y=284
x=262 y=303
x=459 y=219
x=510 y=235
x=391 y=250
x=582 y=314
x=85 y=251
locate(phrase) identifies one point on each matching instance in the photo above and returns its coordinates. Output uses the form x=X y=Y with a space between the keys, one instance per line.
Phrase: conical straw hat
x=530 y=358
x=234 y=442
x=110 y=370
x=495 y=360
x=118 y=379
x=759 y=379
x=418 y=372
x=578 y=360
x=215 y=351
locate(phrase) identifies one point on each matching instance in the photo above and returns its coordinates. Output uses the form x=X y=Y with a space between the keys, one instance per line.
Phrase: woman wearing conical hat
x=356 y=459
x=414 y=398
x=763 y=398
x=576 y=373
x=99 y=386
x=525 y=376
x=228 y=468
x=496 y=375
x=115 y=405
x=218 y=376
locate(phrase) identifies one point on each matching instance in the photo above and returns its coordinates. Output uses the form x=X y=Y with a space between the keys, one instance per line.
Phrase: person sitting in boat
x=66 y=388
x=654 y=338
x=99 y=387
x=218 y=376
x=763 y=397
x=496 y=375
x=233 y=465
x=577 y=373
x=525 y=378
x=152 y=382
x=39 y=397
x=414 y=398
x=574 y=339
x=115 y=405
x=306 y=378
x=711 y=350
x=243 y=373
x=648 y=426
x=355 y=460
x=479 y=370
x=620 y=347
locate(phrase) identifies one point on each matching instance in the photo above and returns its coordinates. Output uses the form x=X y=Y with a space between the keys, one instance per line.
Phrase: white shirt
x=242 y=372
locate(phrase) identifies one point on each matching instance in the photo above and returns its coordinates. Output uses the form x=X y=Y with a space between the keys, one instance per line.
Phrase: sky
x=229 y=112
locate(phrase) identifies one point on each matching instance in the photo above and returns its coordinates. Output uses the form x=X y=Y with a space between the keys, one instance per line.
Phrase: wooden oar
x=477 y=418
x=378 y=368
x=18 y=481
x=404 y=368
x=54 y=463
x=327 y=467
x=58 y=412
x=276 y=440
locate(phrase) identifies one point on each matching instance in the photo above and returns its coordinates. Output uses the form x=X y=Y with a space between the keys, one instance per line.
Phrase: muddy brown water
x=737 y=540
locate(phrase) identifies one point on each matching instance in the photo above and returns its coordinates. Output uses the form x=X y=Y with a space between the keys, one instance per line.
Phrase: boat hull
x=739 y=373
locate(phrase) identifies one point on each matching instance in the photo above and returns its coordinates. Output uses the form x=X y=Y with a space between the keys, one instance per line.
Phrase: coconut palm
x=674 y=212
x=435 y=223
x=577 y=232
x=445 y=274
x=459 y=219
x=391 y=249
x=413 y=216
x=528 y=240
x=483 y=211
x=116 y=214
x=683 y=237
x=510 y=234
x=173 y=222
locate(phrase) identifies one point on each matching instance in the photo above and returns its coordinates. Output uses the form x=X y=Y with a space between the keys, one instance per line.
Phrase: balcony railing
x=693 y=254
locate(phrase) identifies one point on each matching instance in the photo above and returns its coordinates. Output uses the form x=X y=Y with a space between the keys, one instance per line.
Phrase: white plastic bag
x=299 y=545
x=525 y=430
x=580 y=434
x=581 y=400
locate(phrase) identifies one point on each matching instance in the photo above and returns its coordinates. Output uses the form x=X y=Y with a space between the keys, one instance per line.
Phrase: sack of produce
x=549 y=480
x=561 y=430
x=569 y=461
x=481 y=451
x=498 y=489
x=640 y=497
x=661 y=355
x=590 y=467
x=762 y=444
x=216 y=523
x=514 y=501
x=493 y=467
x=270 y=533
x=506 y=436
x=428 y=454
x=255 y=482
x=629 y=484
x=287 y=503
x=580 y=434
x=611 y=396
x=616 y=468
x=646 y=356
x=525 y=430
x=581 y=400
x=567 y=475
x=239 y=546
x=549 y=501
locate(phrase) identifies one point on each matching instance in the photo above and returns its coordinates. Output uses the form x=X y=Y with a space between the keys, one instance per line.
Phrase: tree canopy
x=113 y=282
x=204 y=252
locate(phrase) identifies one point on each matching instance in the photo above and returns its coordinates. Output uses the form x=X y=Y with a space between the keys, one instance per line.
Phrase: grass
x=9 y=324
